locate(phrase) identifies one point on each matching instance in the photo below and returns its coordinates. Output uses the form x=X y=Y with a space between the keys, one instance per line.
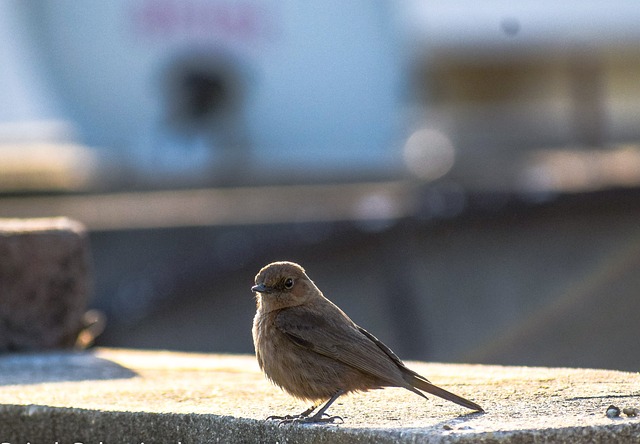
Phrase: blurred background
x=462 y=178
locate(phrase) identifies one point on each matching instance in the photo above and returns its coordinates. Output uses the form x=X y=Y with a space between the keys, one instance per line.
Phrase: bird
x=310 y=348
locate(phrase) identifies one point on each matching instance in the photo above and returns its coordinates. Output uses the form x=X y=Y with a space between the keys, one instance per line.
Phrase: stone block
x=44 y=283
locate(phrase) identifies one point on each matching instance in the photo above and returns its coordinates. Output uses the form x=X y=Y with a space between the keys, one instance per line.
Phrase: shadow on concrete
x=61 y=366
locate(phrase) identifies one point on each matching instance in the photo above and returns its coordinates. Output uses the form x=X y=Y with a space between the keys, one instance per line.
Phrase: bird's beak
x=261 y=288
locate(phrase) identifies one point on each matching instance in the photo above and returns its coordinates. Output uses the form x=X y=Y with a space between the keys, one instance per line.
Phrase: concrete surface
x=128 y=396
x=44 y=283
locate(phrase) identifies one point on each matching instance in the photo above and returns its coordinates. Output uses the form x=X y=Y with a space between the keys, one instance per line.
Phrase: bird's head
x=283 y=284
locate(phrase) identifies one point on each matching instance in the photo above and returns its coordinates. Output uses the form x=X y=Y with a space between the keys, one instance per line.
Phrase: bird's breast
x=300 y=372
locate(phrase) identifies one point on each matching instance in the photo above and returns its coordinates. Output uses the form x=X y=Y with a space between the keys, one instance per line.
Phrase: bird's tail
x=421 y=383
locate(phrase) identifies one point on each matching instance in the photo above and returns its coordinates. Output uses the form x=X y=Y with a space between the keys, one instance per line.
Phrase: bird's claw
x=299 y=419
x=282 y=418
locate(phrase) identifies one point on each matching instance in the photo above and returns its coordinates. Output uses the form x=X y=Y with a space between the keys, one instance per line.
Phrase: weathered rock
x=44 y=283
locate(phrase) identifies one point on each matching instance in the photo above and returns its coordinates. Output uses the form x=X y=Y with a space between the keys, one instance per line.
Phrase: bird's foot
x=320 y=419
x=283 y=418
x=300 y=419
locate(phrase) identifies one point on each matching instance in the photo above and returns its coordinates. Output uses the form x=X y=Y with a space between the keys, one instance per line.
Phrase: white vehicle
x=173 y=92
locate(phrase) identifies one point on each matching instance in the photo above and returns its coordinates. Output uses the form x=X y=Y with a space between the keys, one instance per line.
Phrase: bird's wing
x=341 y=340
x=352 y=345
x=391 y=354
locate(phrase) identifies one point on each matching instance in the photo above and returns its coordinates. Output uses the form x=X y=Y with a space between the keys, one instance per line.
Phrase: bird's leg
x=318 y=417
x=308 y=411
x=293 y=417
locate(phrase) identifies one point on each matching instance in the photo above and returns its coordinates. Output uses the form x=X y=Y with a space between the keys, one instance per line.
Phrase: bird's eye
x=288 y=283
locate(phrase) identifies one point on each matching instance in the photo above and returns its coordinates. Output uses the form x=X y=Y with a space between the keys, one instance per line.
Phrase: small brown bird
x=310 y=348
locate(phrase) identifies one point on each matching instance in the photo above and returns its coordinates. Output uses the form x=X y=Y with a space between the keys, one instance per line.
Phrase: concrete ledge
x=115 y=396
